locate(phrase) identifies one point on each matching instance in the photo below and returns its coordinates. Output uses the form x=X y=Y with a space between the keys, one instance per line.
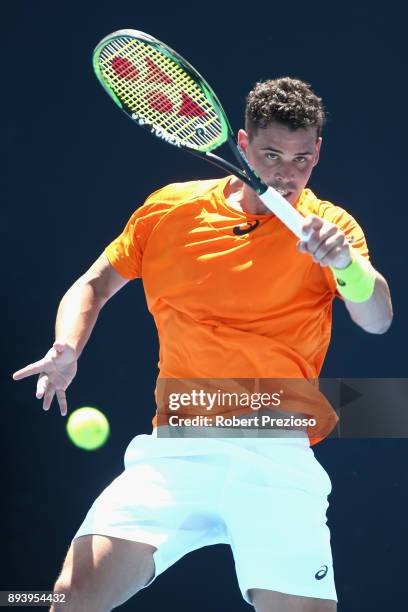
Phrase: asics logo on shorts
x=322 y=572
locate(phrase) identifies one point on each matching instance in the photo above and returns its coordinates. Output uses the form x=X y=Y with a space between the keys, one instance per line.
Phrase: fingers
x=324 y=241
x=46 y=390
x=327 y=249
x=62 y=401
x=328 y=241
x=55 y=374
x=332 y=248
x=48 y=397
x=41 y=385
x=311 y=224
x=319 y=237
x=37 y=367
x=32 y=368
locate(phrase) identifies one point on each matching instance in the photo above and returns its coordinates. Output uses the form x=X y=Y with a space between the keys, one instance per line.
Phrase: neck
x=241 y=197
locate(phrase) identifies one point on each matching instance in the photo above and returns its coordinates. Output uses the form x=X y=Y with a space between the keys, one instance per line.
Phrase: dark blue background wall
x=77 y=168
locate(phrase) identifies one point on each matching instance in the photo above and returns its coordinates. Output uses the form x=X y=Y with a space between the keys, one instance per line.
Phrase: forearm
x=77 y=314
x=375 y=314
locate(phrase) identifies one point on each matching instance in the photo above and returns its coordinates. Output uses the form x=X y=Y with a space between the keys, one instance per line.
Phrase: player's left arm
x=328 y=246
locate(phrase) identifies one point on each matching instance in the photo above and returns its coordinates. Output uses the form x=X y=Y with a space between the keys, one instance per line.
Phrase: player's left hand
x=326 y=243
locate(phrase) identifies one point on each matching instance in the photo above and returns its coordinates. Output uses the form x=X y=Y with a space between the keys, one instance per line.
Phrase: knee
x=62 y=597
x=265 y=600
x=71 y=595
x=64 y=588
x=78 y=592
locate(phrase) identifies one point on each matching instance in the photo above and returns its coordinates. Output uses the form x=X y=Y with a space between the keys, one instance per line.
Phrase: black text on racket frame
x=131 y=65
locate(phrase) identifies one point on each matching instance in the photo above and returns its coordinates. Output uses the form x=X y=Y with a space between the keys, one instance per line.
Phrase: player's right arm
x=76 y=317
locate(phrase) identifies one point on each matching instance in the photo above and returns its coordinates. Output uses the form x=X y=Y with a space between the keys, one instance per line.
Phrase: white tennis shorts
x=265 y=497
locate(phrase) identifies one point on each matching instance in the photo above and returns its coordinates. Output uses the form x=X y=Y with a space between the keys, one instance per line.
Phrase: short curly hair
x=285 y=100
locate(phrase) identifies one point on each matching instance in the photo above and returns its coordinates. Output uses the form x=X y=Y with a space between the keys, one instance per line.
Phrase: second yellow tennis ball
x=88 y=428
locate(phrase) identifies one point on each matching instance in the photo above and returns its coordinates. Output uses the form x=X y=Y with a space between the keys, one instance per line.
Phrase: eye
x=300 y=159
x=271 y=156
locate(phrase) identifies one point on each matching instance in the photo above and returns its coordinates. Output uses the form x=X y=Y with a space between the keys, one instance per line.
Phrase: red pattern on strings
x=156 y=74
x=125 y=69
x=189 y=108
x=159 y=102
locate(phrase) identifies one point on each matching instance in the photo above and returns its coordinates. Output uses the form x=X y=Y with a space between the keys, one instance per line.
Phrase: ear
x=243 y=140
x=317 y=151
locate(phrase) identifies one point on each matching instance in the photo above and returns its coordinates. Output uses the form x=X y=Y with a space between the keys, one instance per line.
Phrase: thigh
x=270 y=601
x=104 y=571
x=169 y=503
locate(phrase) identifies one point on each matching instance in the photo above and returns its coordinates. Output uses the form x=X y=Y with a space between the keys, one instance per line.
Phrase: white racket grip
x=284 y=210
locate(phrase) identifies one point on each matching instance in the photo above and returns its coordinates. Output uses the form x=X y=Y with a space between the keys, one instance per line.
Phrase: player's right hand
x=56 y=371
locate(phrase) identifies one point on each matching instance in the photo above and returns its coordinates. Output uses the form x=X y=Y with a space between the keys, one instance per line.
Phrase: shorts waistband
x=167 y=431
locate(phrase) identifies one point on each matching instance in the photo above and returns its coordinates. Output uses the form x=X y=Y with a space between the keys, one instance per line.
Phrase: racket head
x=160 y=91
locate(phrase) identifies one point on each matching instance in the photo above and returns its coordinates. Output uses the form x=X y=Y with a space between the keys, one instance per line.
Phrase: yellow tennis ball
x=88 y=428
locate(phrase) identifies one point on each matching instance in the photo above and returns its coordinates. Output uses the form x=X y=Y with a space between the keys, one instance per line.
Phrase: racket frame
x=270 y=197
x=246 y=174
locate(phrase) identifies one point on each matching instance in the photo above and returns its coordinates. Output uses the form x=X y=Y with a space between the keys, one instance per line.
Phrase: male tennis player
x=235 y=296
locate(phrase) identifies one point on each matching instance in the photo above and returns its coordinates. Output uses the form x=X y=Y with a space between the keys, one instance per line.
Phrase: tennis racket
x=161 y=92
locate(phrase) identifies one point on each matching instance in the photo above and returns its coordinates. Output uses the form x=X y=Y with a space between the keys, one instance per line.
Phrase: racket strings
x=160 y=92
x=162 y=103
x=157 y=100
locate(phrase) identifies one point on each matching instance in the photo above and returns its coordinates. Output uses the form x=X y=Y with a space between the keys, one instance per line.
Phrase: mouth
x=286 y=193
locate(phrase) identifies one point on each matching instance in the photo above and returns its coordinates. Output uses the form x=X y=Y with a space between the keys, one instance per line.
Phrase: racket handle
x=284 y=210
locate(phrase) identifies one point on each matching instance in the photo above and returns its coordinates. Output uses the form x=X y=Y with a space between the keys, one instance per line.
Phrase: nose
x=284 y=171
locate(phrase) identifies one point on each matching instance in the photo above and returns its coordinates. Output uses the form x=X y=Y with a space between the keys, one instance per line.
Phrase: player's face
x=283 y=158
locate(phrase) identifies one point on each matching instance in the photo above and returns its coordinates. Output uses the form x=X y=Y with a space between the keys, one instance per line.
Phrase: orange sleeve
x=125 y=253
x=352 y=230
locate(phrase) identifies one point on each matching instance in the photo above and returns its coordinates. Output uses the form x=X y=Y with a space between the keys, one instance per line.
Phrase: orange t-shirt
x=227 y=305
